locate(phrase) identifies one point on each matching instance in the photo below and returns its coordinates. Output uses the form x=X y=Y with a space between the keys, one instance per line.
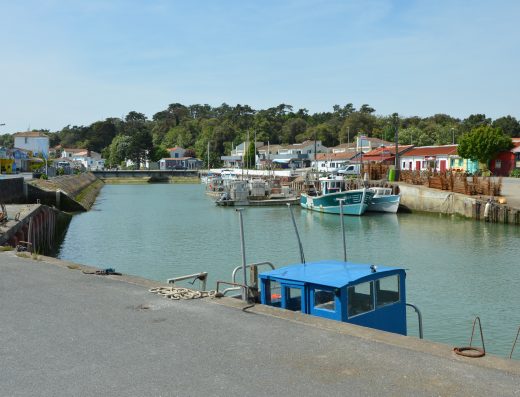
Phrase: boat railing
x=235 y=287
x=419 y=318
x=257 y=265
x=202 y=277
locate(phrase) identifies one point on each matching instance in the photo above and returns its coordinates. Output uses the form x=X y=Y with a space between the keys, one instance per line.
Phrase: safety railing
x=419 y=318
x=202 y=277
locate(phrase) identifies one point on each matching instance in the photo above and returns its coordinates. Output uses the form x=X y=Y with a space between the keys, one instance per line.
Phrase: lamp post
x=453 y=136
x=395 y=118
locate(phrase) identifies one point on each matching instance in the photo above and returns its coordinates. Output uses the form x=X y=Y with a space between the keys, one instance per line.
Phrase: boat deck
x=68 y=333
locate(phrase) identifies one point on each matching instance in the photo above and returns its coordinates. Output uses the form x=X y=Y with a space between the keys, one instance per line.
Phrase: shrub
x=515 y=173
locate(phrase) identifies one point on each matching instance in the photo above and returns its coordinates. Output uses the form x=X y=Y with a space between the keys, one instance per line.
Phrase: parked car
x=351 y=169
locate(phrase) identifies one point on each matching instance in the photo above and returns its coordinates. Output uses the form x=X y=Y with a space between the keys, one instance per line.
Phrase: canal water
x=456 y=269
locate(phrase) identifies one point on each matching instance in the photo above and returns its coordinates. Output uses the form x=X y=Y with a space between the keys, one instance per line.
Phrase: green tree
x=250 y=156
x=483 y=143
x=509 y=125
x=118 y=150
x=6 y=140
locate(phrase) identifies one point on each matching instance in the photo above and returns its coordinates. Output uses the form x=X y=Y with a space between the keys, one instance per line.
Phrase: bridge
x=154 y=174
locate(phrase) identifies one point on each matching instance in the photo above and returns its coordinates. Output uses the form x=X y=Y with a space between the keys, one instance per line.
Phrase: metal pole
x=453 y=136
x=315 y=162
x=302 y=256
x=342 y=228
x=397 y=164
x=244 y=265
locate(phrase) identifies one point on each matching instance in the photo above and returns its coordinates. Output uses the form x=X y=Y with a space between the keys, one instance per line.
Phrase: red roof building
x=505 y=162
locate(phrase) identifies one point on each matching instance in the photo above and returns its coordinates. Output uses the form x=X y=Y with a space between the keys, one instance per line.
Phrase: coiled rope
x=177 y=293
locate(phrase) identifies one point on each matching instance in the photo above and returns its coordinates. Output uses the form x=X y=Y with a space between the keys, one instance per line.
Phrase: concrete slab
x=66 y=333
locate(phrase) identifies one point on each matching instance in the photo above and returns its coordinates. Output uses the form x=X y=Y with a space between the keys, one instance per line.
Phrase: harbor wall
x=11 y=190
x=421 y=198
x=69 y=192
x=36 y=227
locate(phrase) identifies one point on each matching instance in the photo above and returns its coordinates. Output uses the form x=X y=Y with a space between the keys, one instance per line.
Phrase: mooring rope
x=177 y=293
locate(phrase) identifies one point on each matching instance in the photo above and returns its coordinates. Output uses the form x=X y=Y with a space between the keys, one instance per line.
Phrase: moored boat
x=331 y=190
x=384 y=200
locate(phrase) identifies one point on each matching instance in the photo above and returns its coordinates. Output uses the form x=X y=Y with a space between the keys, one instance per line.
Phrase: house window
x=387 y=291
x=461 y=162
x=410 y=165
x=360 y=298
x=324 y=300
x=498 y=164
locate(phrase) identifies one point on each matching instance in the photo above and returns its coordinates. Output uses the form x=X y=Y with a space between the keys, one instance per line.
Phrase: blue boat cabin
x=354 y=293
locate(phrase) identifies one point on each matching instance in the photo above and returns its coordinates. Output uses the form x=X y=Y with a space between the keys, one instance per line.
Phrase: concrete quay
x=66 y=333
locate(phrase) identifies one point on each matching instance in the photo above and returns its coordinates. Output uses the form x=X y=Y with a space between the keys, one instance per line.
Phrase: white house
x=433 y=158
x=35 y=141
x=176 y=152
x=331 y=162
x=89 y=159
x=306 y=147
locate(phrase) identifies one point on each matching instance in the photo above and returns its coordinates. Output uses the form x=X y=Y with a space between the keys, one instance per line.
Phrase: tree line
x=192 y=127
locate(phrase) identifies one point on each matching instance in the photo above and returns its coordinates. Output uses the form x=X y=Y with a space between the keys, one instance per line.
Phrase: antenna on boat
x=242 y=243
x=302 y=256
x=341 y=200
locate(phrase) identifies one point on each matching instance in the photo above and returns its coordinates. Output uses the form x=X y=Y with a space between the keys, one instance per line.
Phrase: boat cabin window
x=387 y=291
x=324 y=300
x=293 y=297
x=360 y=298
x=275 y=293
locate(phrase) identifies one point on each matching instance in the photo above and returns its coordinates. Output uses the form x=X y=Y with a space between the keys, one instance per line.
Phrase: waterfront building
x=297 y=155
x=88 y=159
x=180 y=163
x=176 y=152
x=385 y=154
x=436 y=158
x=34 y=141
x=333 y=161
x=506 y=161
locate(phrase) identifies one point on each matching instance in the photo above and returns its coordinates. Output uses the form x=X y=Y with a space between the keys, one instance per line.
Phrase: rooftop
x=330 y=273
x=450 y=150
x=32 y=134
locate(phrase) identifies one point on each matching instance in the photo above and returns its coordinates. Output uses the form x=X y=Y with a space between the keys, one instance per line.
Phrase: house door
x=443 y=165
x=417 y=165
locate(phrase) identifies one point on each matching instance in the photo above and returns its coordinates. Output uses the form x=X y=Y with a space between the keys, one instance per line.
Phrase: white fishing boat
x=384 y=200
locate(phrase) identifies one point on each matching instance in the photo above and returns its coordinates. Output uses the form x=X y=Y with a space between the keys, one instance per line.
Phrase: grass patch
x=6 y=248
x=22 y=255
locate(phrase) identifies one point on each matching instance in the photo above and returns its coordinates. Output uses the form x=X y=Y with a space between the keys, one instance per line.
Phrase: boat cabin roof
x=336 y=274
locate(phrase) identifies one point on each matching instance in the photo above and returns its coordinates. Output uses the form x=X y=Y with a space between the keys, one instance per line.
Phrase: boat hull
x=356 y=202
x=385 y=204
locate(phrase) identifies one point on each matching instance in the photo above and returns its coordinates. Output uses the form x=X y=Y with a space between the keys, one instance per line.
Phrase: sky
x=77 y=62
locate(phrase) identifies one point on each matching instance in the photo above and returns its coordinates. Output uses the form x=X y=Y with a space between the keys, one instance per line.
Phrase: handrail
x=202 y=276
x=237 y=286
x=419 y=317
x=481 y=334
x=249 y=265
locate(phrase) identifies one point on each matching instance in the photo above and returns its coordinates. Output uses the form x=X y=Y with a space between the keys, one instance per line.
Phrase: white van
x=351 y=169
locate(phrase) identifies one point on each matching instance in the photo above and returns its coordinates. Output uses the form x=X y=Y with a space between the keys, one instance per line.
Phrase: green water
x=457 y=269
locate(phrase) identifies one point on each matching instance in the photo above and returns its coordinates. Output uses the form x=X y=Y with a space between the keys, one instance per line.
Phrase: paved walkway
x=511 y=191
x=65 y=333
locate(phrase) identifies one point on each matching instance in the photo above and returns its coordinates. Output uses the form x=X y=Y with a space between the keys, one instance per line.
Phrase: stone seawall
x=69 y=192
x=421 y=198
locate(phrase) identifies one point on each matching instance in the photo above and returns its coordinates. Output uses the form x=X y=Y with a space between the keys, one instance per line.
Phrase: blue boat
x=354 y=293
x=333 y=188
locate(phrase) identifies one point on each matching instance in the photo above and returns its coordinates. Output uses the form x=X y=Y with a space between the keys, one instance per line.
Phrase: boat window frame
x=377 y=306
x=372 y=299
x=318 y=308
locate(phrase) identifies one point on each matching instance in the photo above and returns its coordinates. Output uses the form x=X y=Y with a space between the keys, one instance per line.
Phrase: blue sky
x=76 y=62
